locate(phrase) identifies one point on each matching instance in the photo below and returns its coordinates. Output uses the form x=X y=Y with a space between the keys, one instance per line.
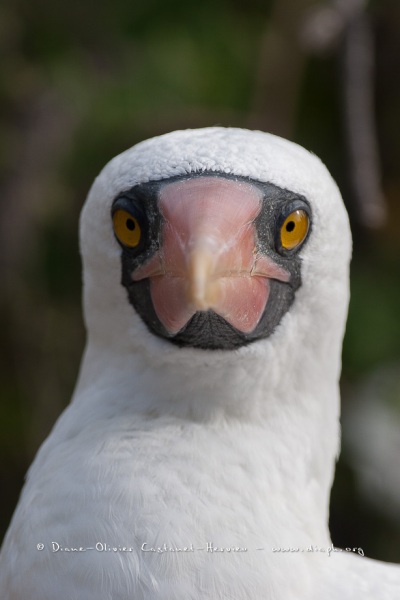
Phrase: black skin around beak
x=206 y=329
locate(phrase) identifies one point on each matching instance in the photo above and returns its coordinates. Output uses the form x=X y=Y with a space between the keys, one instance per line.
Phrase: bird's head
x=215 y=239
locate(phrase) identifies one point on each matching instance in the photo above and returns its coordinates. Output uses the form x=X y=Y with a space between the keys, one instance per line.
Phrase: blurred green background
x=83 y=81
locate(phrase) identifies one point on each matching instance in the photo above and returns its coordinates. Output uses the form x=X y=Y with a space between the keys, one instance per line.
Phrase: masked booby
x=196 y=457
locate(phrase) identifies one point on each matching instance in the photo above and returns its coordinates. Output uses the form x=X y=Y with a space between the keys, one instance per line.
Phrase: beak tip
x=196 y=297
x=198 y=290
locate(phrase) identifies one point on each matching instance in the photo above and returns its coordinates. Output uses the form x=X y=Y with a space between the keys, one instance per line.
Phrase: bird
x=196 y=457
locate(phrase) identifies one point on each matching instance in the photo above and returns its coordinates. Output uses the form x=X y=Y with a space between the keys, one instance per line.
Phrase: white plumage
x=189 y=447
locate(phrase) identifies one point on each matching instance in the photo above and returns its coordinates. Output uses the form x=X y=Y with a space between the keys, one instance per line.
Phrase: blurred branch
x=360 y=121
x=325 y=23
x=322 y=30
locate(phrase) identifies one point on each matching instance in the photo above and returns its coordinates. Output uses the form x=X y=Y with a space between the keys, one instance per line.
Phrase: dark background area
x=83 y=81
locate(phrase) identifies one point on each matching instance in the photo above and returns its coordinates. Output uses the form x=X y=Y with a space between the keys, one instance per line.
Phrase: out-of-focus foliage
x=82 y=81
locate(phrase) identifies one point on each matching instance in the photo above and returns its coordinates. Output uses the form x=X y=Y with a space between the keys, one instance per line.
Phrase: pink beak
x=208 y=258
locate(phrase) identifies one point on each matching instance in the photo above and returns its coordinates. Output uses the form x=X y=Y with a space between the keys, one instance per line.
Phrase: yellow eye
x=126 y=228
x=294 y=229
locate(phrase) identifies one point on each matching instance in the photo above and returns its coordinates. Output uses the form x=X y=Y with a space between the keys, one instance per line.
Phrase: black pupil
x=130 y=223
x=290 y=226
